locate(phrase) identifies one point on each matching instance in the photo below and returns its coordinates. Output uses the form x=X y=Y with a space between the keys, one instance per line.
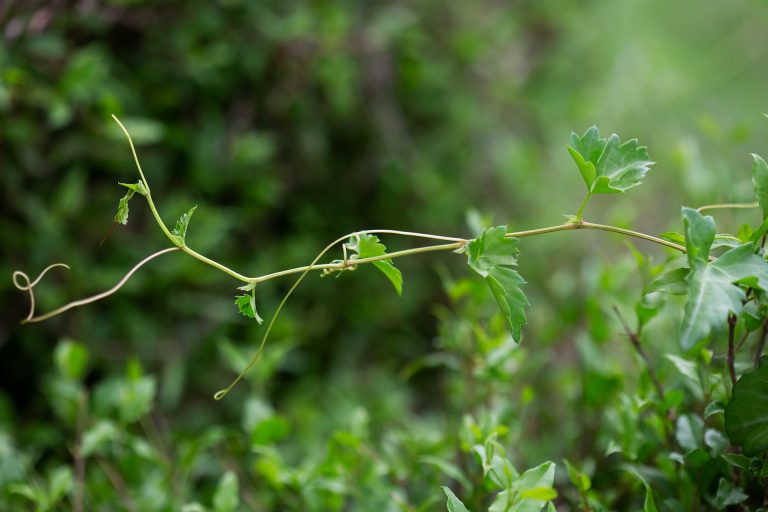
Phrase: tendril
x=18 y=274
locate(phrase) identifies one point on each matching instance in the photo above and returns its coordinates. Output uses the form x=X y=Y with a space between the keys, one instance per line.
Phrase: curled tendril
x=26 y=285
x=29 y=286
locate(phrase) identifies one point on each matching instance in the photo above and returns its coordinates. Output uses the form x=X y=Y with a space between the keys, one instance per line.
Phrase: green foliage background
x=290 y=123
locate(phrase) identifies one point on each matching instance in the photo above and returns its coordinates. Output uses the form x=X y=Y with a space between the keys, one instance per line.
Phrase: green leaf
x=529 y=492
x=577 y=478
x=490 y=255
x=760 y=181
x=121 y=216
x=454 y=503
x=72 y=359
x=699 y=235
x=649 y=505
x=607 y=165
x=714 y=290
x=137 y=187
x=728 y=495
x=369 y=246
x=227 y=497
x=746 y=416
x=672 y=282
x=246 y=304
x=180 y=231
x=491 y=249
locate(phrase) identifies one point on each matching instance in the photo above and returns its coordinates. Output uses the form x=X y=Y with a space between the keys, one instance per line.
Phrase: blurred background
x=289 y=123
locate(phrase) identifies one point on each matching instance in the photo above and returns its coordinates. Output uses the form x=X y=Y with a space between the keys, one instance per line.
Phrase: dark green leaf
x=673 y=282
x=746 y=416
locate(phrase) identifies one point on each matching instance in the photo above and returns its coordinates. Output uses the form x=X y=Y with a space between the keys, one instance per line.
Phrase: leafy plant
x=719 y=461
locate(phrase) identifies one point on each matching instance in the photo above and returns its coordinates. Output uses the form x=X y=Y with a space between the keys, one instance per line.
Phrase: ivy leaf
x=492 y=248
x=122 y=208
x=760 y=181
x=490 y=255
x=713 y=287
x=454 y=503
x=180 y=231
x=607 y=165
x=369 y=246
x=246 y=304
x=746 y=416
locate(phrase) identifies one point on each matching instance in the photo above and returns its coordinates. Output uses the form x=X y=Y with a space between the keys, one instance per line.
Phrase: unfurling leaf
x=122 y=208
x=607 y=165
x=246 y=304
x=760 y=181
x=713 y=288
x=746 y=416
x=180 y=231
x=369 y=246
x=490 y=255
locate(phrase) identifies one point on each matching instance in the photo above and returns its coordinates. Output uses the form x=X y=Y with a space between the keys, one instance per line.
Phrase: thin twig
x=635 y=341
x=118 y=483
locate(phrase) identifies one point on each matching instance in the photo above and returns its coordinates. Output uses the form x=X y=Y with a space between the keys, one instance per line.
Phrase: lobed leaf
x=713 y=288
x=369 y=246
x=490 y=255
x=246 y=304
x=607 y=165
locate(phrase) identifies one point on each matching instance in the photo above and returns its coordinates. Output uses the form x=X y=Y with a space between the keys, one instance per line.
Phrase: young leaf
x=699 y=236
x=746 y=416
x=122 y=208
x=760 y=181
x=180 y=231
x=454 y=503
x=369 y=246
x=490 y=255
x=246 y=304
x=137 y=187
x=607 y=165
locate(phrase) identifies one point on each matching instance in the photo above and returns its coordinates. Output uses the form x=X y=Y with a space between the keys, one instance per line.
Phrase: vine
x=606 y=165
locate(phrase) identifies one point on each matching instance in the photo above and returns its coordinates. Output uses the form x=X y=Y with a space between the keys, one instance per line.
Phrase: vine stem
x=455 y=243
x=723 y=206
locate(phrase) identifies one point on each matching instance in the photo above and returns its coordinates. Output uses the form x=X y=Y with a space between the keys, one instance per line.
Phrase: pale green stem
x=583 y=206
x=723 y=206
